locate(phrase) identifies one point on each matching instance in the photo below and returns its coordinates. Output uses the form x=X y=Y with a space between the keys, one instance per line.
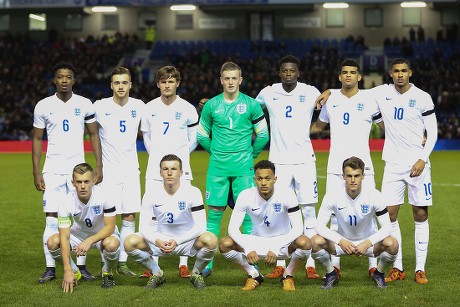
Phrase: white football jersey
x=350 y=121
x=118 y=129
x=403 y=117
x=173 y=212
x=168 y=127
x=290 y=118
x=65 y=125
x=87 y=218
x=355 y=217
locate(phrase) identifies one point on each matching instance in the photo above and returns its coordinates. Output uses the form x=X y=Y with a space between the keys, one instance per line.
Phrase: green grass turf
x=22 y=261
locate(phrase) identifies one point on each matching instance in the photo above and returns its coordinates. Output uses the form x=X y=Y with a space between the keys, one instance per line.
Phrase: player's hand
x=68 y=281
x=362 y=247
x=322 y=99
x=98 y=175
x=39 y=182
x=202 y=103
x=252 y=257
x=347 y=246
x=82 y=248
x=166 y=246
x=417 y=168
x=271 y=258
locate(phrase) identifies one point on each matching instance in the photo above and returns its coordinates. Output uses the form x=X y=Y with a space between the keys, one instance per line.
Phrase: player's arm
x=295 y=218
x=192 y=137
x=64 y=223
x=106 y=231
x=431 y=128
x=317 y=127
x=37 y=141
x=204 y=128
x=324 y=215
x=262 y=135
x=322 y=99
x=93 y=131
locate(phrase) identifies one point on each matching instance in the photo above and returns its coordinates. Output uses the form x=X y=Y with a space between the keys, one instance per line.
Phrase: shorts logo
x=181 y=205
x=241 y=108
x=360 y=106
x=44 y=203
x=77 y=112
x=207 y=194
x=364 y=209
x=178 y=115
x=277 y=207
x=97 y=209
x=412 y=103
x=133 y=113
x=302 y=98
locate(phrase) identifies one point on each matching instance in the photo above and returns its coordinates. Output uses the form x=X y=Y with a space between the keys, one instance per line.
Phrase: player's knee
x=209 y=240
x=391 y=245
x=303 y=242
x=111 y=244
x=317 y=243
x=131 y=242
x=226 y=245
x=420 y=214
x=53 y=242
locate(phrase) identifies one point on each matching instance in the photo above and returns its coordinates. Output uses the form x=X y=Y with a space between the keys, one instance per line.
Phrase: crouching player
x=94 y=217
x=276 y=233
x=180 y=228
x=357 y=232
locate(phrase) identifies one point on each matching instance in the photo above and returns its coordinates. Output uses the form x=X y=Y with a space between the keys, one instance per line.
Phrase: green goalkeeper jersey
x=225 y=131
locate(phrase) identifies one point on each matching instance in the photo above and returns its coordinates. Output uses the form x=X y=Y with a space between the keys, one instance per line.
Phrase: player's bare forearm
x=361 y=249
x=37 y=141
x=97 y=149
x=322 y=99
x=417 y=168
x=347 y=246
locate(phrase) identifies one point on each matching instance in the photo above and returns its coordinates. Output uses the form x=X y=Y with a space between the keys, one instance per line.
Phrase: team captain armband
x=294 y=209
x=381 y=212
x=64 y=222
x=110 y=210
x=258 y=119
x=428 y=113
x=90 y=117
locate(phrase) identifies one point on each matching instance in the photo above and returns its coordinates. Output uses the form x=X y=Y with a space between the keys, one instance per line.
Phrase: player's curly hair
x=64 y=65
x=400 y=61
x=289 y=59
x=264 y=164
x=354 y=163
x=349 y=62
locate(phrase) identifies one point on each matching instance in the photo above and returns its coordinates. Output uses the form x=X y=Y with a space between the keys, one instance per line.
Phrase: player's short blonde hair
x=229 y=66
x=82 y=168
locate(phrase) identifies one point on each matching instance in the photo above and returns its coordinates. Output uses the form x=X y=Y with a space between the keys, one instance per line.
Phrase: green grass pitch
x=22 y=261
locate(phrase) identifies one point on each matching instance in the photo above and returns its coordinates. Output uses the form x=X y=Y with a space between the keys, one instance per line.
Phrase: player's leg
x=110 y=247
x=217 y=189
x=321 y=252
x=300 y=251
x=334 y=182
x=183 y=260
x=306 y=189
x=54 y=247
x=56 y=187
x=393 y=189
x=420 y=196
x=206 y=247
x=369 y=183
x=230 y=250
x=141 y=252
x=130 y=196
x=238 y=185
x=386 y=250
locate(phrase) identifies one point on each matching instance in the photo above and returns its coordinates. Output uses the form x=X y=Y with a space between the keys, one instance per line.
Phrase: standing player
x=93 y=217
x=64 y=116
x=231 y=118
x=119 y=117
x=169 y=127
x=350 y=113
x=408 y=112
x=357 y=232
x=277 y=229
x=179 y=227
x=291 y=104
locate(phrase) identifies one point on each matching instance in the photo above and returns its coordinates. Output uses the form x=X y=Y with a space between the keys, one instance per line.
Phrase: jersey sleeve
x=383 y=218
x=65 y=212
x=323 y=115
x=39 y=119
x=324 y=215
x=90 y=115
x=110 y=208
x=262 y=97
x=204 y=127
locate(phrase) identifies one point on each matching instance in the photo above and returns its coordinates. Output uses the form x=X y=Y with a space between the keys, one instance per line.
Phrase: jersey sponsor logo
x=428 y=198
x=217 y=111
x=302 y=98
x=153 y=115
x=241 y=108
x=76 y=214
x=341 y=208
x=108 y=114
x=156 y=206
x=412 y=103
x=360 y=106
x=254 y=209
x=276 y=98
x=364 y=208
x=277 y=207
x=181 y=205
x=77 y=112
x=51 y=113
x=44 y=203
x=97 y=209
x=389 y=98
x=335 y=105
x=133 y=113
